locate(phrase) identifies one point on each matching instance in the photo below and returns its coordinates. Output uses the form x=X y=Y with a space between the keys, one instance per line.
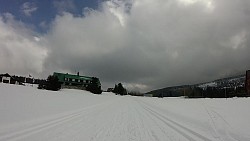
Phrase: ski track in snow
x=47 y=125
x=122 y=118
x=221 y=126
x=182 y=130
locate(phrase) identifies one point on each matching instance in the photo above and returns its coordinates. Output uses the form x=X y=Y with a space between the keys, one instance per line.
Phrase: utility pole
x=226 y=92
x=184 y=92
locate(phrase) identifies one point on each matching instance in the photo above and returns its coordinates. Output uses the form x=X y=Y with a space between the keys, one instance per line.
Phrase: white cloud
x=208 y=4
x=135 y=87
x=28 y=8
x=117 y=12
x=19 y=52
x=37 y=39
x=44 y=25
x=119 y=8
x=64 y=6
x=237 y=41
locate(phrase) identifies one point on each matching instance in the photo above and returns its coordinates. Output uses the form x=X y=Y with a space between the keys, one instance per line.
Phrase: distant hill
x=229 y=83
x=168 y=91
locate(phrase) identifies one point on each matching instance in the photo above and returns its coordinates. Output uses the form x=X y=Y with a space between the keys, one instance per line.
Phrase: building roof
x=72 y=76
x=6 y=75
x=85 y=79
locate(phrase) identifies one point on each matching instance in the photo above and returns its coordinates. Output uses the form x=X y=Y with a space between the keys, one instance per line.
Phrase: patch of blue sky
x=45 y=12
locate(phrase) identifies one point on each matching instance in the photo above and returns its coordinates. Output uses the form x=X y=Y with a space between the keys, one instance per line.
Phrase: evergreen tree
x=52 y=83
x=119 y=89
x=94 y=87
x=115 y=90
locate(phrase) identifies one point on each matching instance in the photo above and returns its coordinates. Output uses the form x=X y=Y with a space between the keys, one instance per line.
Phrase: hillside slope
x=230 y=82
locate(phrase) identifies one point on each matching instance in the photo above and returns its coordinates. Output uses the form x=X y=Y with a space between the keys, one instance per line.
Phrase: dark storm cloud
x=156 y=44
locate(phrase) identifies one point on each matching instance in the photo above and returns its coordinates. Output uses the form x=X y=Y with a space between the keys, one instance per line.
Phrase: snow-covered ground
x=29 y=114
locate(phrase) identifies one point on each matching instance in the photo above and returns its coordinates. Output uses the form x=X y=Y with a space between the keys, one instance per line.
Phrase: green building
x=75 y=81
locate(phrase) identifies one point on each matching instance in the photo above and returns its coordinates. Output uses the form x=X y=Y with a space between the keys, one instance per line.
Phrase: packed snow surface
x=29 y=114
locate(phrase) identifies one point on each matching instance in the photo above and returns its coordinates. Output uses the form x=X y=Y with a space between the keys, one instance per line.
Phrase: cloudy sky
x=145 y=44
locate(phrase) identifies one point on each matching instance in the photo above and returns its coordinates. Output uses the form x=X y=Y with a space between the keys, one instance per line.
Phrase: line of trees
x=214 y=92
x=14 y=79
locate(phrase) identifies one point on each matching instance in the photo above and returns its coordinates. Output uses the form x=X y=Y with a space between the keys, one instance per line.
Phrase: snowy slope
x=29 y=114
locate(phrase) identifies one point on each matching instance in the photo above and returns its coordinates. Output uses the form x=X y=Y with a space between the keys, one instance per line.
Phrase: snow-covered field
x=29 y=114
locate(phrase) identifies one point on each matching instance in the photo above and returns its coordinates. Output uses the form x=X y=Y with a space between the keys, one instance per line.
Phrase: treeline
x=23 y=79
x=14 y=79
x=215 y=92
x=208 y=92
